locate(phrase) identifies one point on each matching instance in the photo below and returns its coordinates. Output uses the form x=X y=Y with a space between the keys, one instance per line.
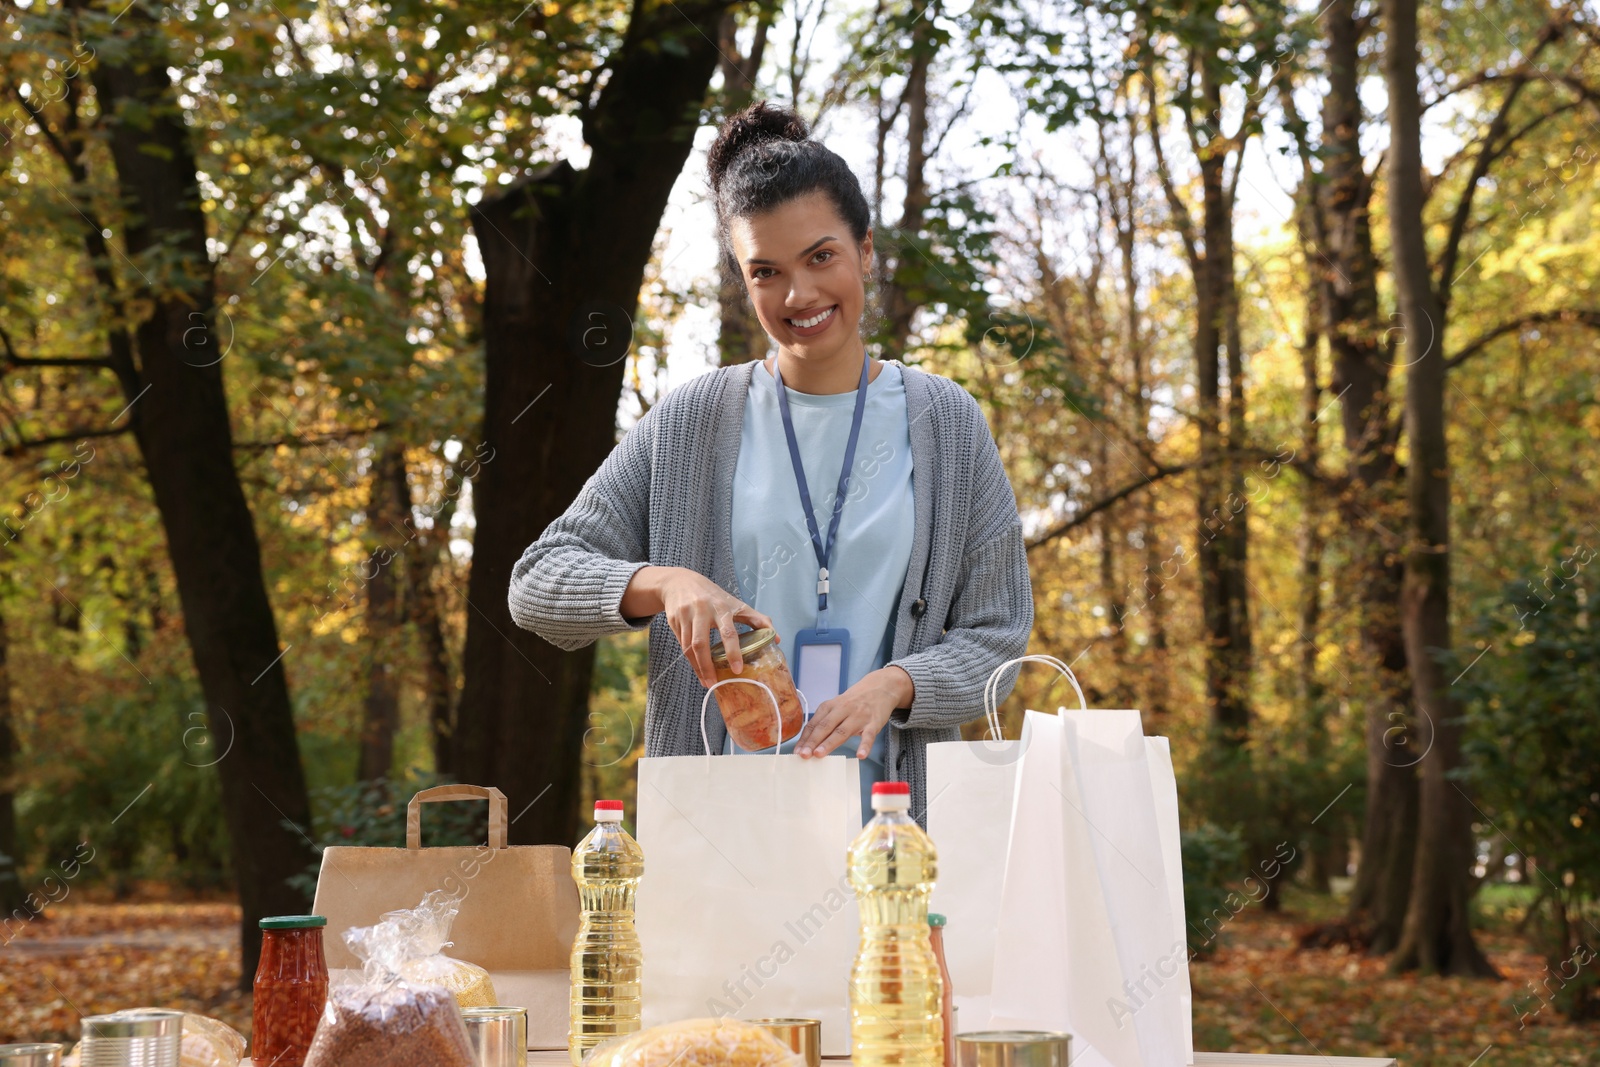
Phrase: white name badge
x=821 y=664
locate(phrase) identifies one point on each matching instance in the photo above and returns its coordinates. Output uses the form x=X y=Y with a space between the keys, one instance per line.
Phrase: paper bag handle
x=497 y=810
x=991 y=689
x=705 y=702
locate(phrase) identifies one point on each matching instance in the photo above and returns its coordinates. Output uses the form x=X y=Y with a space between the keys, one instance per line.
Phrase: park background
x=1283 y=316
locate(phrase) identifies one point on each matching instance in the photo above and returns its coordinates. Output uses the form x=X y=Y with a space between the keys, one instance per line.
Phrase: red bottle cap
x=891 y=789
x=608 y=805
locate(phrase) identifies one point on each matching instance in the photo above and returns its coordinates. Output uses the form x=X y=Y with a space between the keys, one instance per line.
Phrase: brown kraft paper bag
x=519 y=906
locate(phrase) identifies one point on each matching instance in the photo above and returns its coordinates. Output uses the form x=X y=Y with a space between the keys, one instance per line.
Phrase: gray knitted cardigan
x=665 y=497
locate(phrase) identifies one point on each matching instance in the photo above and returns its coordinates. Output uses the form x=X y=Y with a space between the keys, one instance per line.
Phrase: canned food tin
x=499 y=1035
x=134 y=1038
x=804 y=1036
x=1012 y=1048
x=36 y=1055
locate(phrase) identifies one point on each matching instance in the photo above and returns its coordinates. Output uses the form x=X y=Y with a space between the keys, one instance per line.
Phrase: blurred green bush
x=132 y=775
x=1212 y=857
x=374 y=813
x=1530 y=685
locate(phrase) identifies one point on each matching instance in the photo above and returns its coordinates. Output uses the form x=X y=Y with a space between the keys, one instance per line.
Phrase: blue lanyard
x=823 y=551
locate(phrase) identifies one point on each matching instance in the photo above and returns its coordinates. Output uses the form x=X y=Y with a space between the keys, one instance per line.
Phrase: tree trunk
x=1347 y=289
x=1437 y=936
x=564 y=254
x=740 y=337
x=902 y=299
x=1113 y=626
x=1321 y=855
x=180 y=419
x=1223 y=542
x=1148 y=600
x=1159 y=674
x=1382 y=889
x=441 y=681
x=388 y=519
x=439 y=678
x=1311 y=541
x=11 y=891
x=1234 y=544
x=1107 y=533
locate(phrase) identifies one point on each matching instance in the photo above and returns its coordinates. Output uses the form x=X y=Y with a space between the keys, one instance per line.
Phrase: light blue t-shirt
x=773 y=558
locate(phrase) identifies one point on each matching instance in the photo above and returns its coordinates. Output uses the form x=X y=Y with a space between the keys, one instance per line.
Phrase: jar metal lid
x=293 y=922
x=749 y=641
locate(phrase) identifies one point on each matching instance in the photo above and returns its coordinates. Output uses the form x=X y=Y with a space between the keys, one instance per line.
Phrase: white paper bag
x=746 y=908
x=1106 y=771
x=1088 y=941
x=971 y=791
x=1164 y=785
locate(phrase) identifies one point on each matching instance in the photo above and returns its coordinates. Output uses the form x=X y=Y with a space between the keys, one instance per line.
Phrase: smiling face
x=805 y=275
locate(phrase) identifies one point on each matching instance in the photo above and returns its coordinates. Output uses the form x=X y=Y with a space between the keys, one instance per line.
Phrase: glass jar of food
x=291 y=988
x=746 y=709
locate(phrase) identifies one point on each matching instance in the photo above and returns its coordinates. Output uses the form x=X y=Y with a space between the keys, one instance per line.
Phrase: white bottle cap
x=608 y=811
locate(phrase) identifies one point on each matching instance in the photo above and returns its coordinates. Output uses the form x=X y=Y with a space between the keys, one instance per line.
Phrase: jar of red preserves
x=747 y=710
x=291 y=989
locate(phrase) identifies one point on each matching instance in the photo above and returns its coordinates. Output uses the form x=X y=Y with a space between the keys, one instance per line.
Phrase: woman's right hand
x=695 y=606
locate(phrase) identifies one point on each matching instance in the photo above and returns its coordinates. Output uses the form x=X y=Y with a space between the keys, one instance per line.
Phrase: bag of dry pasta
x=695 y=1043
x=469 y=983
x=397 y=1014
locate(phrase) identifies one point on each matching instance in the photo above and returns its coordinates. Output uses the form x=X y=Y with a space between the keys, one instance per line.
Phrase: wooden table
x=1201 y=1059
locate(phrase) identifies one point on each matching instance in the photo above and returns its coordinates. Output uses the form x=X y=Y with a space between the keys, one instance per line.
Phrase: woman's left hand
x=862 y=710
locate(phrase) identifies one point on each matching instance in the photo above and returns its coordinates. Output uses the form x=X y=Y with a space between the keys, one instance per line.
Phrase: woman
x=695 y=522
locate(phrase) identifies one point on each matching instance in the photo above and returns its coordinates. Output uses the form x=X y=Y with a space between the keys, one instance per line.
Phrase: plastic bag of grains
x=386 y=1018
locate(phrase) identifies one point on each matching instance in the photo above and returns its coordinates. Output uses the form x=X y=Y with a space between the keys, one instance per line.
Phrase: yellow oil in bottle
x=606 y=957
x=896 y=991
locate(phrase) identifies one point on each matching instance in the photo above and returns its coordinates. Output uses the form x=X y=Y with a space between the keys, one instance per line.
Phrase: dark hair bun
x=759 y=122
x=763 y=158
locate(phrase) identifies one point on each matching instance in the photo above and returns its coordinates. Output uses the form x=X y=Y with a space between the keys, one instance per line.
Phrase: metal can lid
x=991 y=1038
x=135 y=1023
x=293 y=922
x=493 y=1011
x=749 y=641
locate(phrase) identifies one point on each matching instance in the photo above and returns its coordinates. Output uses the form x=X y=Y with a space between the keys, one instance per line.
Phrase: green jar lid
x=293 y=922
x=935 y=919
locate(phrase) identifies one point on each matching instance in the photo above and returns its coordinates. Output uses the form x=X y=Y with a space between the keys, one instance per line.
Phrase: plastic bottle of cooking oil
x=606 y=958
x=896 y=991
